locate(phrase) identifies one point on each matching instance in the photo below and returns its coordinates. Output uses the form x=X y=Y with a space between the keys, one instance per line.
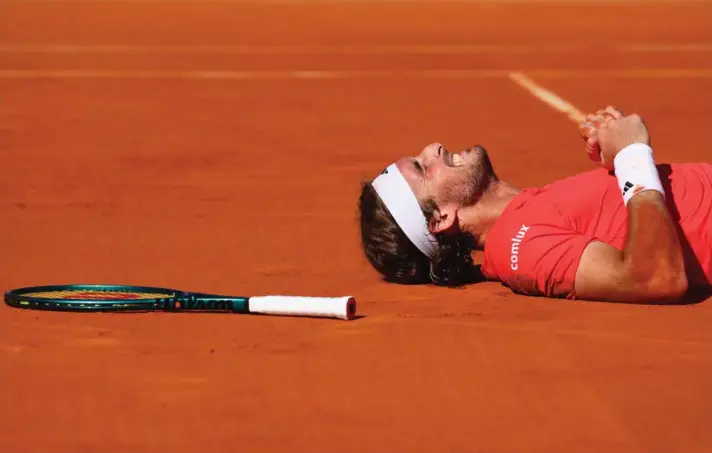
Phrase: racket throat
x=206 y=302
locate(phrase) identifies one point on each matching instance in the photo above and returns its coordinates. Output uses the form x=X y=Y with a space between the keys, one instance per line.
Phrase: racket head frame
x=27 y=297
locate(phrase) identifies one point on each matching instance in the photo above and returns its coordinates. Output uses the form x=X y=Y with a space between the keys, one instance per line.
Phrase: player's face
x=448 y=178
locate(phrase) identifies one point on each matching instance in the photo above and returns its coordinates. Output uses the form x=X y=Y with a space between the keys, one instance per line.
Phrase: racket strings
x=103 y=295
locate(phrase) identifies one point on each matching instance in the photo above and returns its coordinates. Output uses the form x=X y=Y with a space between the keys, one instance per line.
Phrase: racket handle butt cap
x=324 y=307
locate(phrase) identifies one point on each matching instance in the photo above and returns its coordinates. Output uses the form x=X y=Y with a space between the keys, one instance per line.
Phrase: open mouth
x=454 y=160
x=460 y=159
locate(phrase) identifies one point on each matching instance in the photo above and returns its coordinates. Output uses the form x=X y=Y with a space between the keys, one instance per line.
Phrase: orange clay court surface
x=218 y=146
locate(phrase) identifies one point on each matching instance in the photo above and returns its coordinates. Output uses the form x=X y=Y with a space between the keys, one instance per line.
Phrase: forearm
x=652 y=258
x=653 y=261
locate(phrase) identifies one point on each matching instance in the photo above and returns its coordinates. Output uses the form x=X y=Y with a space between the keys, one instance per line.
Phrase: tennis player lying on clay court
x=631 y=231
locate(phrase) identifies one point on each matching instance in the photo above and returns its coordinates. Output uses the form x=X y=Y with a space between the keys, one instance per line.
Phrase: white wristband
x=636 y=171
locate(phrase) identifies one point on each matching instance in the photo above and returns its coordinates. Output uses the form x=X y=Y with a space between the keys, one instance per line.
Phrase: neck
x=479 y=218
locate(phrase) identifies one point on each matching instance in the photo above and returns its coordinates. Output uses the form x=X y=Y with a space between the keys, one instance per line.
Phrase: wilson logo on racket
x=192 y=304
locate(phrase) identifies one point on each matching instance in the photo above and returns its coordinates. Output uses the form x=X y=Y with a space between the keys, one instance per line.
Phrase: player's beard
x=476 y=177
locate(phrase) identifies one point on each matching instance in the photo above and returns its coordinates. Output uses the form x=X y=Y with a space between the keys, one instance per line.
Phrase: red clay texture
x=172 y=144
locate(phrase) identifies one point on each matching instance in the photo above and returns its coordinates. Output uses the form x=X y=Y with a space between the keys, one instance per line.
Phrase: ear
x=443 y=218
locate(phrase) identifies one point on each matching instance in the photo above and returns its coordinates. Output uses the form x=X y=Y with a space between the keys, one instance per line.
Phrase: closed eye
x=418 y=167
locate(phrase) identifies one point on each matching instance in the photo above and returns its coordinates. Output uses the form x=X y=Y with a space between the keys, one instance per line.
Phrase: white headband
x=401 y=202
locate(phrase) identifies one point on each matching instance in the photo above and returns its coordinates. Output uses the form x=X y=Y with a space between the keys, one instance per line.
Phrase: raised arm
x=650 y=268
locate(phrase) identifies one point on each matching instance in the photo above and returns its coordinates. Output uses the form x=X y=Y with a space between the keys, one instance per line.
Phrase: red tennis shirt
x=536 y=245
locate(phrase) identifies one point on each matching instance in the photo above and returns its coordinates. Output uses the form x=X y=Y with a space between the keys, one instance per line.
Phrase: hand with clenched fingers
x=608 y=131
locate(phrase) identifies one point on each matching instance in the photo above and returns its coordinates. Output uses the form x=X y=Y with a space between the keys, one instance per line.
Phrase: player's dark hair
x=398 y=260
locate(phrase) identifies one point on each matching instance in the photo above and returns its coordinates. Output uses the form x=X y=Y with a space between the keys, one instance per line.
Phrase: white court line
x=238 y=75
x=278 y=49
x=409 y=2
x=351 y=74
x=455 y=49
x=241 y=75
x=548 y=97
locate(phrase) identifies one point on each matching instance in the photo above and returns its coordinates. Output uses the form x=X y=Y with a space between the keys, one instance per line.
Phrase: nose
x=433 y=150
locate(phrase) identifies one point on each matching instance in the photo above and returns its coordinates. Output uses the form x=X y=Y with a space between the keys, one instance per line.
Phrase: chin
x=479 y=151
x=482 y=172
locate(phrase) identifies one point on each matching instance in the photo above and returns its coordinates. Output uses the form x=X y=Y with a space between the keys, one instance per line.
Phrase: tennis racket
x=111 y=298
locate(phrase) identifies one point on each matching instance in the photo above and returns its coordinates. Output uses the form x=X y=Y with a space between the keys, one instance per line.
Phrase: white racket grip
x=324 y=307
